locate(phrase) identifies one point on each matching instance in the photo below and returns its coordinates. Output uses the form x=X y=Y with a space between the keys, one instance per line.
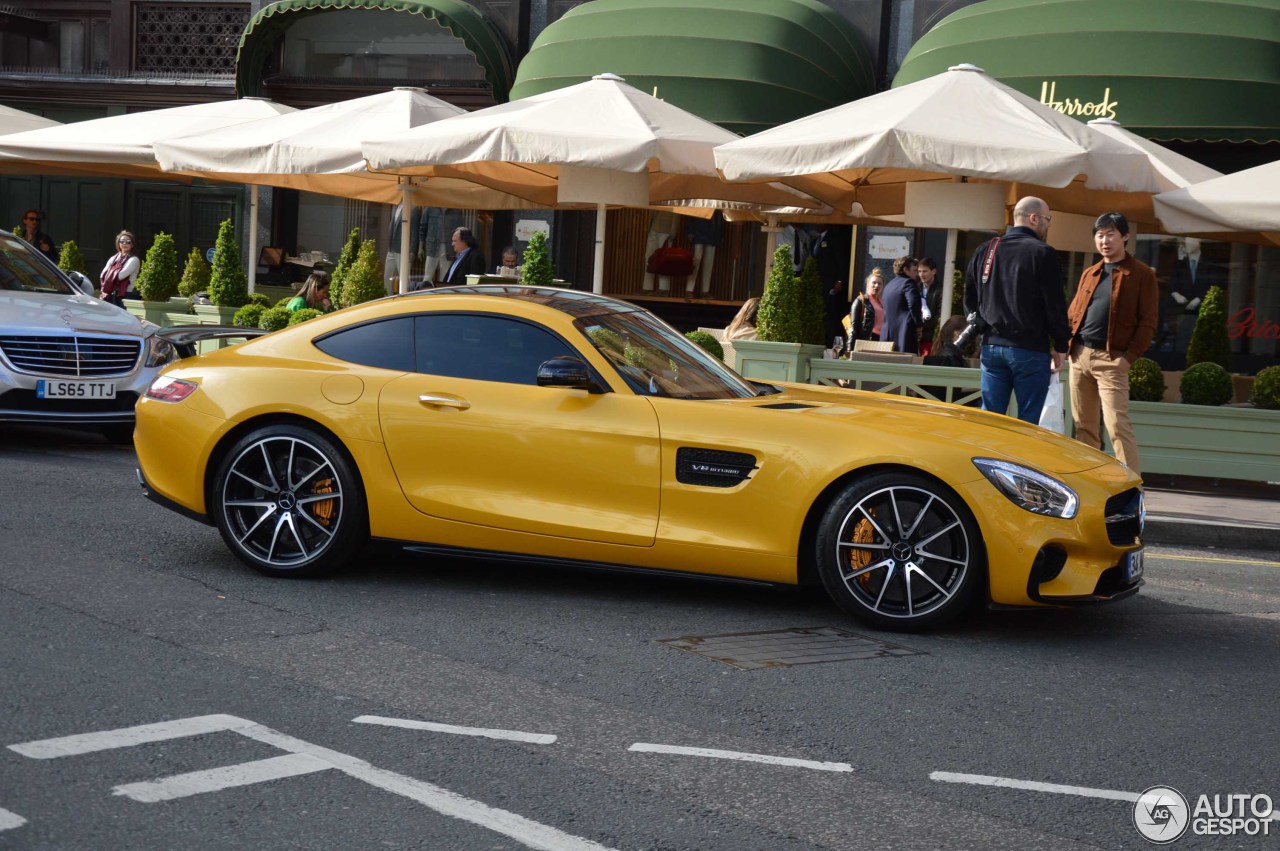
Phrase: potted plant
x=788 y=326
x=70 y=258
x=364 y=278
x=707 y=342
x=536 y=269
x=157 y=280
x=338 y=279
x=274 y=318
x=228 y=284
x=195 y=275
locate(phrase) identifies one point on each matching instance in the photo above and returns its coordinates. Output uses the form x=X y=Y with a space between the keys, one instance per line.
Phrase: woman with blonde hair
x=743 y=326
x=867 y=314
x=121 y=272
x=314 y=294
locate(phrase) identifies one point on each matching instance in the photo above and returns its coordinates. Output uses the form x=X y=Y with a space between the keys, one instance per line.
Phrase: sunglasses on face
x=126 y=242
x=31 y=218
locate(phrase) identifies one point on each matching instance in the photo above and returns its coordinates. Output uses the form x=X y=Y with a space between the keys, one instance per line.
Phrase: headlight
x=1030 y=489
x=159 y=351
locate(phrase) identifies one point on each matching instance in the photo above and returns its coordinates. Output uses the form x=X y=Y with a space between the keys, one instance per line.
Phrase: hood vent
x=713 y=468
x=787 y=406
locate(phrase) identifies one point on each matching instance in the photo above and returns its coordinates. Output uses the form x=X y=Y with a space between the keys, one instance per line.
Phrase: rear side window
x=387 y=344
x=485 y=347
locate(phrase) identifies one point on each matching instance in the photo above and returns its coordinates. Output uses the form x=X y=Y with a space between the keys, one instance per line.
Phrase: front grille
x=1124 y=514
x=72 y=357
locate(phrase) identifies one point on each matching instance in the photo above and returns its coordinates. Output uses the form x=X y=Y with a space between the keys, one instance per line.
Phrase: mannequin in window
x=431 y=242
x=392 y=267
x=1192 y=276
x=705 y=235
x=662 y=226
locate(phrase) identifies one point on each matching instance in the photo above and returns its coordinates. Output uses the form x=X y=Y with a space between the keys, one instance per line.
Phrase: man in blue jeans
x=1015 y=286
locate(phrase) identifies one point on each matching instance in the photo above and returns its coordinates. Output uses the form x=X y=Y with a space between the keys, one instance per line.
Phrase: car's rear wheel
x=900 y=552
x=289 y=502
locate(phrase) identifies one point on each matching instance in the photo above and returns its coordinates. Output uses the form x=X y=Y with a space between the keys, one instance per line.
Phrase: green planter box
x=774 y=361
x=1199 y=440
x=213 y=314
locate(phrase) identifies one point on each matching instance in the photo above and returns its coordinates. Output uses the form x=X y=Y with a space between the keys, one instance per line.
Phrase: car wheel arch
x=806 y=564
x=233 y=435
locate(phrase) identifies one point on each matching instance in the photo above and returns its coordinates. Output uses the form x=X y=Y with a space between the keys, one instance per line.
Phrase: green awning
x=746 y=66
x=1194 y=70
x=461 y=19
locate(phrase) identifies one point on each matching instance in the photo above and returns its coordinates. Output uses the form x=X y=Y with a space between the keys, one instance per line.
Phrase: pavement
x=1198 y=512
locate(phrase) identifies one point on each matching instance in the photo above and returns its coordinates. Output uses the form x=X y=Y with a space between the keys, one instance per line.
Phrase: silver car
x=65 y=356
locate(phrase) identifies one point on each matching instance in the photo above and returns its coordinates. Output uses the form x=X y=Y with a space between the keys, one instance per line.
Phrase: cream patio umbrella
x=318 y=150
x=1245 y=202
x=123 y=145
x=899 y=147
x=17 y=121
x=596 y=144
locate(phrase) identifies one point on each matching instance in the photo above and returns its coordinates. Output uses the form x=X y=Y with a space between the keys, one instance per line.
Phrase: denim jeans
x=1022 y=372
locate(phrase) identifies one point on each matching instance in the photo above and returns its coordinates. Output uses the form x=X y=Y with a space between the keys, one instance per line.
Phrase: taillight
x=167 y=389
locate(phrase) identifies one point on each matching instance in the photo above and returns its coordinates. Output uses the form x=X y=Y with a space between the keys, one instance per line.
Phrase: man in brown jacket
x=1112 y=319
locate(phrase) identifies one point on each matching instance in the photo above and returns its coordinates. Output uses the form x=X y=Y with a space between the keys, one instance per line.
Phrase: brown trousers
x=1100 y=393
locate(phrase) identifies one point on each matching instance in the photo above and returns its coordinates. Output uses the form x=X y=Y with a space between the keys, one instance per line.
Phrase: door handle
x=444 y=402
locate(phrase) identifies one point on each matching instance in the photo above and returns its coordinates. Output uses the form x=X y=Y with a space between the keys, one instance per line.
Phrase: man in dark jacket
x=469 y=259
x=931 y=303
x=1112 y=319
x=1019 y=299
x=902 y=316
x=830 y=251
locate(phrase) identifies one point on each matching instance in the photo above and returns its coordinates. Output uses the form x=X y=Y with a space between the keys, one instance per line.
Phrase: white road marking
x=124 y=737
x=645 y=747
x=509 y=735
x=1034 y=786
x=10 y=820
x=525 y=831
x=226 y=777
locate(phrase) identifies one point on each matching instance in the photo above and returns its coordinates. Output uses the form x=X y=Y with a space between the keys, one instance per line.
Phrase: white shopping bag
x=1053 y=416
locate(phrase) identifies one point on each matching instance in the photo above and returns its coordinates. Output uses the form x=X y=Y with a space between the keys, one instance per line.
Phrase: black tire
x=289 y=502
x=900 y=552
x=121 y=434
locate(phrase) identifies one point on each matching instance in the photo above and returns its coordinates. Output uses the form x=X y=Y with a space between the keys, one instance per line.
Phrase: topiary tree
x=228 y=284
x=158 y=280
x=707 y=342
x=791 y=309
x=536 y=269
x=195 y=274
x=1146 y=381
x=248 y=316
x=18 y=230
x=300 y=316
x=259 y=298
x=364 y=279
x=1206 y=383
x=1266 y=389
x=350 y=250
x=274 y=318
x=1209 y=341
x=71 y=260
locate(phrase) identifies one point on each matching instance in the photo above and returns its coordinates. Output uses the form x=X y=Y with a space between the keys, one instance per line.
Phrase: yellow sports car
x=557 y=425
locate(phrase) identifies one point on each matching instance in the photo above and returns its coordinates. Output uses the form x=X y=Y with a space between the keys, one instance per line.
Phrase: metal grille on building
x=188 y=39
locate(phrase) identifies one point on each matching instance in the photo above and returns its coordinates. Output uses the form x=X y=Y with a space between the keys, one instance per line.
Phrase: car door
x=473 y=438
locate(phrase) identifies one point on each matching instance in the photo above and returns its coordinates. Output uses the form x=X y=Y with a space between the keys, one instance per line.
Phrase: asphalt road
x=116 y=614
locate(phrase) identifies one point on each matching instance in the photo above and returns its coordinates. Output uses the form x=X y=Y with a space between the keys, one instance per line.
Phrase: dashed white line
x=646 y=747
x=225 y=777
x=508 y=735
x=1034 y=786
x=10 y=820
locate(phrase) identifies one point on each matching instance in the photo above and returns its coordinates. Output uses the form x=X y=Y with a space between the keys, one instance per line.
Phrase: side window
x=485 y=348
x=387 y=344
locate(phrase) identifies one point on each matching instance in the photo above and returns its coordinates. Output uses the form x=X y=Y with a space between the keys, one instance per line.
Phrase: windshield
x=22 y=269
x=656 y=360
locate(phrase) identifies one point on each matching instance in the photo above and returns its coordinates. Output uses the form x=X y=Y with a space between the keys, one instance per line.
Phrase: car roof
x=575 y=303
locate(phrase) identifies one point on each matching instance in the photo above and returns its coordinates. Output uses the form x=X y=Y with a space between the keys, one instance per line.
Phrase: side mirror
x=81 y=282
x=568 y=372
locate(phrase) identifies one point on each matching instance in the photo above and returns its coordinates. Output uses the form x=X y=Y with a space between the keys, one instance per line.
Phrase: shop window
x=373 y=47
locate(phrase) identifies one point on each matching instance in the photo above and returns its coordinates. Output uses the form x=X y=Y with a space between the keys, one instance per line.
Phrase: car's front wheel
x=900 y=552
x=289 y=502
